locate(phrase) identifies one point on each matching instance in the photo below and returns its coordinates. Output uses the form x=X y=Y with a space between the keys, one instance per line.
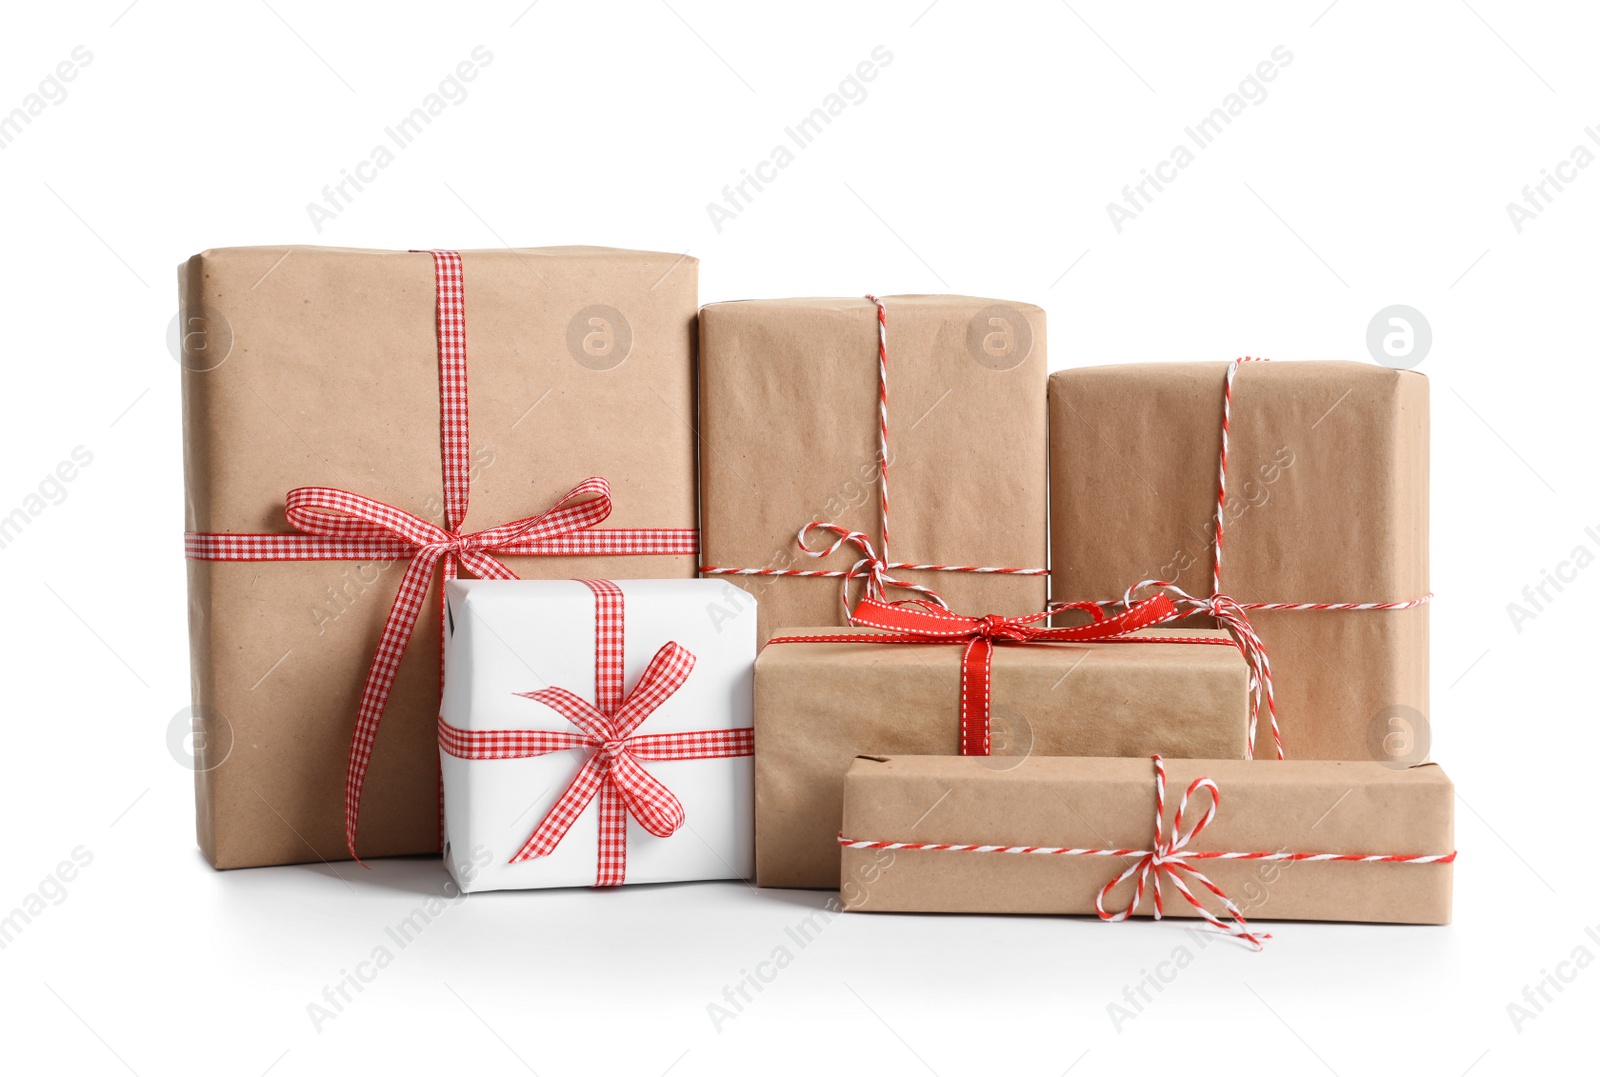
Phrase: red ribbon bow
x=924 y=622
x=341 y=515
x=605 y=729
x=1170 y=858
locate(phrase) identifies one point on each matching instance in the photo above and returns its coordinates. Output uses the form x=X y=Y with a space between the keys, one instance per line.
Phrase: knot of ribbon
x=340 y=515
x=1170 y=857
x=869 y=566
x=924 y=622
x=330 y=513
x=612 y=766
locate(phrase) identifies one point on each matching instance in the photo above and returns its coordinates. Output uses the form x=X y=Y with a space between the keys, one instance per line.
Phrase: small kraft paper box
x=1324 y=526
x=802 y=404
x=1325 y=840
x=819 y=704
x=360 y=424
x=595 y=732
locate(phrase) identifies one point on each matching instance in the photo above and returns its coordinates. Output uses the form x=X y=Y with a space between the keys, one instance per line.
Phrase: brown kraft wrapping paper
x=818 y=705
x=1300 y=806
x=789 y=427
x=313 y=366
x=1327 y=502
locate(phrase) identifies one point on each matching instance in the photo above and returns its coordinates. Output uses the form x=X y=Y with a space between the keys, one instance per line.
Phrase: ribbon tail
x=646 y=799
x=611 y=861
x=589 y=781
x=397 y=631
x=1239 y=928
x=975 y=667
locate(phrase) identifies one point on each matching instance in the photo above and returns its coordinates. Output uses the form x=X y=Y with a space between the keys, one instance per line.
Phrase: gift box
x=906 y=437
x=359 y=425
x=1293 y=840
x=1323 y=536
x=584 y=722
x=823 y=699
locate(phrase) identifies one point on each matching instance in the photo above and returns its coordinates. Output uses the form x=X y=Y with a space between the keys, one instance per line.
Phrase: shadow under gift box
x=508 y=637
x=312 y=366
x=789 y=395
x=819 y=705
x=1327 y=502
x=1298 y=806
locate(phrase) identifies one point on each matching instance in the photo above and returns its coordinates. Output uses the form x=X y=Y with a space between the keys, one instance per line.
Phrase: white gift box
x=507 y=638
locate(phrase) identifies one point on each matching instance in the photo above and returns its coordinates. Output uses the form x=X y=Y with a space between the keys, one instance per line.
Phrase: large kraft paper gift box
x=792 y=434
x=345 y=369
x=1326 y=504
x=820 y=704
x=1309 y=825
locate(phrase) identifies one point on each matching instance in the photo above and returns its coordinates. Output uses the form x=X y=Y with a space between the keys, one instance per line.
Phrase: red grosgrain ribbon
x=924 y=622
x=870 y=566
x=1166 y=857
x=605 y=728
x=339 y=525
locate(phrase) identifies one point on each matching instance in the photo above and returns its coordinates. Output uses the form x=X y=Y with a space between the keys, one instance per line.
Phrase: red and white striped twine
x=877 y=570
x=1165 y=857
x=1230 y=613
x=1222 y=497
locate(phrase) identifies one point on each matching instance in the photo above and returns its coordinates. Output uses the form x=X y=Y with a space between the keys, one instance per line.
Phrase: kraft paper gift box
x=1327 y=502
x=789 y=421
x=1352 y=809
x=529 y=724
x=818 y=705
x=319 y=367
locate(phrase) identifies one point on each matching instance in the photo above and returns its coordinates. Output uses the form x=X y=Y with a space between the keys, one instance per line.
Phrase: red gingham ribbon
x=1230 y=613
x=339 y=525
x=611 y=773
x=1166 y=857
x=875 y=569
x=924 y=622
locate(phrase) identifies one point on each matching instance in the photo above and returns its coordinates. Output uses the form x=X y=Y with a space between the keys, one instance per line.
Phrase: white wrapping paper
x=503 y=638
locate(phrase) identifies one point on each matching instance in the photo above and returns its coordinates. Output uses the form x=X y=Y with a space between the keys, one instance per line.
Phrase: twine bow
x=1170 y=858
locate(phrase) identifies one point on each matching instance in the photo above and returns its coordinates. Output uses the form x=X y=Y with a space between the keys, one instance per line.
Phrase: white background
x=1377 y=171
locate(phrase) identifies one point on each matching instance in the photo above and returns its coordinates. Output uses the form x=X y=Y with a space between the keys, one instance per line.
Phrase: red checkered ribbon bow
x=611 y=774
x=339 y=525
x=924 y=622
